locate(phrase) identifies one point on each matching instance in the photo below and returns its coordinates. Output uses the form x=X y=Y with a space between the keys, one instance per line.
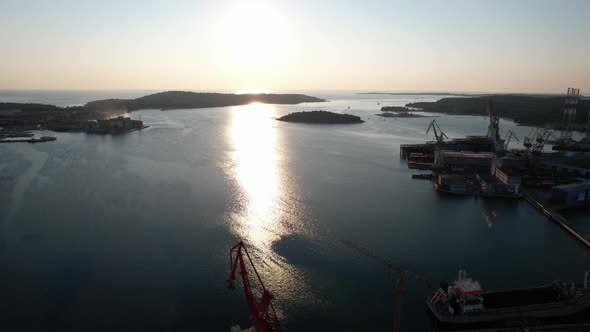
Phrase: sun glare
x=253 y=34
x=253 y=91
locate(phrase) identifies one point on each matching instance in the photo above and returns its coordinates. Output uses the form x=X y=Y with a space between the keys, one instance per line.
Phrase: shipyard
x=485 y=165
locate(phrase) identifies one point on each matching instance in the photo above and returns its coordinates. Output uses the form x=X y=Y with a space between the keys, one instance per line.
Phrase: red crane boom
x=263 y=313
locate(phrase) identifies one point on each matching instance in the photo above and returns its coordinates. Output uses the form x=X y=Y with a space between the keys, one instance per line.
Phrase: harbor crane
x=494 y=127
x=509 y=135
x=438 y=133
x=536 y=140
x=401 y=273
x=440 y=136
x=264 y=317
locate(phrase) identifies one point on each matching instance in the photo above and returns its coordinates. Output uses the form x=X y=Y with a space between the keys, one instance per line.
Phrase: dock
x=557 y=218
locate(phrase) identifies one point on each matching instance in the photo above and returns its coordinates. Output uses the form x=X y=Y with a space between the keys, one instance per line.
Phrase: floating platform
x=30 y=140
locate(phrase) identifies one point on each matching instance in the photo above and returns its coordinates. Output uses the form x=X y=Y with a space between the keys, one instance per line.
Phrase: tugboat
x=464 y=303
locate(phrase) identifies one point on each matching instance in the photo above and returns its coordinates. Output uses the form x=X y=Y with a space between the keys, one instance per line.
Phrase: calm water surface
x=132 y=232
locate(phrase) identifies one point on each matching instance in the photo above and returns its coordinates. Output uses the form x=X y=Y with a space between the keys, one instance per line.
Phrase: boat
x=465 y=304
x=42 y=139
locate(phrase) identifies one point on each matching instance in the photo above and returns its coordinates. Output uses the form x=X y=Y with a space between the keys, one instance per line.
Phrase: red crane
x=399 y=288
x=263 y=313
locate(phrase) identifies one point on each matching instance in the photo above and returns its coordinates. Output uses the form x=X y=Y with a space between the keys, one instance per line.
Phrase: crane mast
x=438 y=133
x=509 y=135
x=263 y=313
x=494 y=127
x=399 y=288
x=439 y=136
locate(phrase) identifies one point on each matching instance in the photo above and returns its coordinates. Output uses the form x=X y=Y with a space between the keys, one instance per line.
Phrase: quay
x=557 y=218
x=485 y=166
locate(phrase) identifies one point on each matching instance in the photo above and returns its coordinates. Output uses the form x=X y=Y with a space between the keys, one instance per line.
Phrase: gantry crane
x=401 y=272
x=264 y=317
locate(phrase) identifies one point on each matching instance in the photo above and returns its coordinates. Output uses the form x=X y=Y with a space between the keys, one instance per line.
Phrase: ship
x=464 y=304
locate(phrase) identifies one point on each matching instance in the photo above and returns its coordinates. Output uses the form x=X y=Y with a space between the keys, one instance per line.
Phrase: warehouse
x=571 y=194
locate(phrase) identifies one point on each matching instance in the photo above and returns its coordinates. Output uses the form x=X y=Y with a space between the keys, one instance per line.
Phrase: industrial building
x=577 y=164
x=571 y=194
x=510 y=177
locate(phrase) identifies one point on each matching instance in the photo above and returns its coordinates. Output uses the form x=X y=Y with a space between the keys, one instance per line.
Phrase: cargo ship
x=464 y=304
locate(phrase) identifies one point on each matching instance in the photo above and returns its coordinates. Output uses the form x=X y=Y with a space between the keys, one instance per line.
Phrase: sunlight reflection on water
x=265 y=212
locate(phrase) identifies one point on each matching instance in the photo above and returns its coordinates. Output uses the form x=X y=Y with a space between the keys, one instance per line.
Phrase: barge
x=30 y=140
x=464 y=304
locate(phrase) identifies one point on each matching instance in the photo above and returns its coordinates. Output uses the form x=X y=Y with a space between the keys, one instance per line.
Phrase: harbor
x=295 y=166
x=320 y=185
x=485 y=166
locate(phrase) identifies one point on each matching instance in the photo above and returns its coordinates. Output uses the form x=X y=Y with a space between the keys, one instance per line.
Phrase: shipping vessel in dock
x=464 y=304
x=469 y=143
x=466 y=152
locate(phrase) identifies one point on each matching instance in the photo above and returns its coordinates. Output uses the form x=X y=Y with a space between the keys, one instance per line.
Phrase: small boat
x=465 y=304
x=42 y=139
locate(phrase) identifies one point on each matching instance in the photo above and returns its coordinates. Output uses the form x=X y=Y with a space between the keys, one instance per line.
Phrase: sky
x=274 y=45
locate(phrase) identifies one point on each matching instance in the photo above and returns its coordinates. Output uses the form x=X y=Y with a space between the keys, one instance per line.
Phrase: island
x=395 y=109
x=400 y=112
x=321 y=117
x=524 y=110
x=390 y=114
x=93 y=116
x=189 y=100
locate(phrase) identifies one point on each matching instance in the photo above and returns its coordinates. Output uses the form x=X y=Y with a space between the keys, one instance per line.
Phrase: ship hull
x=516 y=305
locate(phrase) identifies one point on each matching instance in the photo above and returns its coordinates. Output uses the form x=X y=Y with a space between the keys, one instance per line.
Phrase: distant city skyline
x=255 y=46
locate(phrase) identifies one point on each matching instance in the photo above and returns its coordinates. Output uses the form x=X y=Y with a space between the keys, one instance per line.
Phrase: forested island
x=187 y=100
x=524 y=110
x=35 y=116
x=395 y=109
x=321 y=117
x=390 y=114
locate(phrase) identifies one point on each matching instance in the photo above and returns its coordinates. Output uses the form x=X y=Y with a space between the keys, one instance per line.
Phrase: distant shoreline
x=34 y=115
x=420 y=94
x=469 y=94
x=534 y=111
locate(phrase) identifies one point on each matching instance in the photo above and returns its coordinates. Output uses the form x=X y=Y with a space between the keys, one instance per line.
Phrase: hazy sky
x=492 y=45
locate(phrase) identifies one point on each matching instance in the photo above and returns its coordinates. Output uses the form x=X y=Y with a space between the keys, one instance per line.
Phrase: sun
x=253 y=91
x=253 y=34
